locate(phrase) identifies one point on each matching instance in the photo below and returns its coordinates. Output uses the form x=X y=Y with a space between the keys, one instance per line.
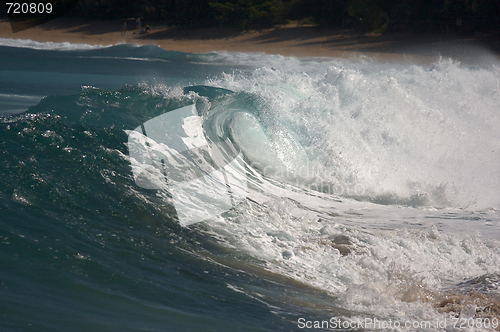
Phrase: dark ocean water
x=373 y=192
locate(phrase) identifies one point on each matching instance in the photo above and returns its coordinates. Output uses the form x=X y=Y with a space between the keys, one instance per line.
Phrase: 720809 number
x=29 y=8
x=462 y=323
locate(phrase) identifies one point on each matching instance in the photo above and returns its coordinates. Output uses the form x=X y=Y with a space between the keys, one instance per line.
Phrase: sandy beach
x=290 y=40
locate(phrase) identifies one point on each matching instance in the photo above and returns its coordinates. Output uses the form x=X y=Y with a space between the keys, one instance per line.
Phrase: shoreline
x=290 y=40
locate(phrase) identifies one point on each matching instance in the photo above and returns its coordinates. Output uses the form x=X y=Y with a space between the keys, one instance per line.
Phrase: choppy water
x=372 y=193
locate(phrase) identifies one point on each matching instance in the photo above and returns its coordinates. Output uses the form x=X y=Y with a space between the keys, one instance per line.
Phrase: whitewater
x=371 y=192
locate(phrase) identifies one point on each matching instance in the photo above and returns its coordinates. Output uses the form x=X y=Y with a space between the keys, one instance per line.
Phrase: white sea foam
x=403 y=134
x=28 y=43
x=374 y=260
x=422 y=145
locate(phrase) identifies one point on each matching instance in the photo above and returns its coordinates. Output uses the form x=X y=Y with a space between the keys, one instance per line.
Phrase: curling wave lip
x=170 y=152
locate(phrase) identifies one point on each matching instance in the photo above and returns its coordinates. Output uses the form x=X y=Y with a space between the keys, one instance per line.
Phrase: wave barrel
x=170 y=152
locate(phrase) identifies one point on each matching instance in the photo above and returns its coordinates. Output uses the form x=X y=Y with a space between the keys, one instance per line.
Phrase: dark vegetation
x=462 y=16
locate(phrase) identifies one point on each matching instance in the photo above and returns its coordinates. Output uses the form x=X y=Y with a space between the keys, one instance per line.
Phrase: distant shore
x=290 y=40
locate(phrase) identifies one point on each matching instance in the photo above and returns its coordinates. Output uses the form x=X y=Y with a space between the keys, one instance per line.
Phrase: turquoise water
x=372 y=191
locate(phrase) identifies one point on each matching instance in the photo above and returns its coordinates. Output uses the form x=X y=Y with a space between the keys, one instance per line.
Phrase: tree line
x=371 y=15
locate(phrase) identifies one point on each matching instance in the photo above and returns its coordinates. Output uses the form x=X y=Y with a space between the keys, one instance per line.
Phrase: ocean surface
x=371 y=192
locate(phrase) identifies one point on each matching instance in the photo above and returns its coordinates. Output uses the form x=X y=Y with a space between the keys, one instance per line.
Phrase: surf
x=369 y=187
